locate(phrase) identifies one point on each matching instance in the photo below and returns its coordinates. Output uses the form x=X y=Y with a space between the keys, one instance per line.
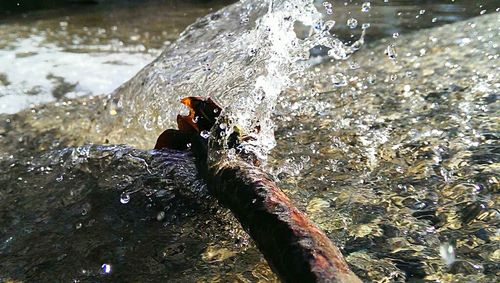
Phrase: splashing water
x=395 y=159
x=245 y=68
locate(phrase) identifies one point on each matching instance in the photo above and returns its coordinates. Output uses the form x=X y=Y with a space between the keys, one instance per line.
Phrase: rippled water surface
x=389 y=142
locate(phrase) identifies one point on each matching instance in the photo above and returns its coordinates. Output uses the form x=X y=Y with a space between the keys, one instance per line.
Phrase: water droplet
x=252 y=52
x=366 y=7
x=205 y=134
x=216 y=110
x=188 y=145
x=338 y=53
x=365 y=25
x=447 y=252
x=60 y=178
x=482 y=12
x=328 y=25
x=124 y=198
x=328 y=7
x=195 y=119
x=352 y=23
x=78 y=225
x=160 y=216
x=339 y=80
x=106 y=268
x=390 y=51
x=395 y=35
x=353 y=65
x=244 y=19
x=421 y=12
x=434 y=20
x=371 y=79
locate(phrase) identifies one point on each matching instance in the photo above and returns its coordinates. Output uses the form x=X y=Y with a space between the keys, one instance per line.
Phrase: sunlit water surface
x=85 y=50
x=392 y=150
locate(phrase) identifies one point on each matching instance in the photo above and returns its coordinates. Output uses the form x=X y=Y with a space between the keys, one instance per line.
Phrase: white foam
x=93 y=73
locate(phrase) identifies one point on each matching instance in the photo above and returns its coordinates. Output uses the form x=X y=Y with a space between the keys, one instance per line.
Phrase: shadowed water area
x=392 y=150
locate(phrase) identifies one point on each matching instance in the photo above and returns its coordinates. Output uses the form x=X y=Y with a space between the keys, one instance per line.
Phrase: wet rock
x=465 y=267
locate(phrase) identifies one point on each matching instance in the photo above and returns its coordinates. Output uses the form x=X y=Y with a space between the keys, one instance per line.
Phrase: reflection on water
x=393 y=152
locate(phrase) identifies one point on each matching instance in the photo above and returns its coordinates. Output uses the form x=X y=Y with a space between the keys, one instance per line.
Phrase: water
x=390 y=146
x=93 y=213
x=402 y=166
x=80 y=51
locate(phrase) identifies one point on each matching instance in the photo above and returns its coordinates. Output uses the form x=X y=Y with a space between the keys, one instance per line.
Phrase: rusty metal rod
x=295 y=248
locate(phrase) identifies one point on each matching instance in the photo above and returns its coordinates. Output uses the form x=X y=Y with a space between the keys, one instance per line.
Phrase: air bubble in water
x=482 y=12
x=395 y=35
x=366 y=7
x=352 y=23
x=124 y=198
x=434 y=20
x=195 y=119
x=205 y=134
x=421 y=12
x=365 y=25
x=60 y=178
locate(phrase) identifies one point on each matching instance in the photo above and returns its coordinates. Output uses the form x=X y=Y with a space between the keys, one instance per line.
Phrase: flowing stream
x=389 y=145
